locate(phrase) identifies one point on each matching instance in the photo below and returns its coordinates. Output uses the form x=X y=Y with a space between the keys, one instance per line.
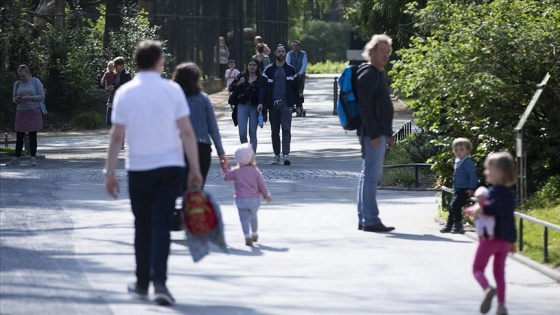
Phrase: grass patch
x=327 y=67
x=405 y=176
x=12 y=152
x=89 y=120
x=533 y=235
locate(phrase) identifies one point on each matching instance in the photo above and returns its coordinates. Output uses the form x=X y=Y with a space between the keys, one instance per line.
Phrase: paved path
x=66 y=248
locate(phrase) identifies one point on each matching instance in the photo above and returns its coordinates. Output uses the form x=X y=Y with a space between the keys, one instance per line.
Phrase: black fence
x=192 y=28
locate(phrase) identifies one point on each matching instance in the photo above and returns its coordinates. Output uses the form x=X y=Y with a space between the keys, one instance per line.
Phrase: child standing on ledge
x=249 y=188
x=464 y=184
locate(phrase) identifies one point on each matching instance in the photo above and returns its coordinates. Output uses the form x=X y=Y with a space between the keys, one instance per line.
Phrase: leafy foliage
x=475 y=74
x=326 y=41
x=69 y=61
x=385 y=17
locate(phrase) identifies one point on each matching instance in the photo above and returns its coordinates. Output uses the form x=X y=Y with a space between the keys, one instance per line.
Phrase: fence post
x=520 y=234
x=335 y=96
x=545 y=244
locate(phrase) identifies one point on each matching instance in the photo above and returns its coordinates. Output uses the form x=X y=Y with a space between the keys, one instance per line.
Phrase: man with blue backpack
x=365 y=106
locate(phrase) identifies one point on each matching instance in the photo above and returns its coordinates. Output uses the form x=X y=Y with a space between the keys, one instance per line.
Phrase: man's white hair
x=372 y=44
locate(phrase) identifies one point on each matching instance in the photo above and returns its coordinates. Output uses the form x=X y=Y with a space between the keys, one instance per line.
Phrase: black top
x=374 y=99
x=267 y=85
x=247 y=93
x=501 y=206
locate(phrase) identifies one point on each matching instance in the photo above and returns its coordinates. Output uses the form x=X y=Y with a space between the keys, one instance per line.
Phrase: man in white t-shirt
x=154 y=114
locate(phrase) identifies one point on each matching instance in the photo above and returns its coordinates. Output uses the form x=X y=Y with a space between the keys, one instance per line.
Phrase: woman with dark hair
x=203 y=119
x=246 y=86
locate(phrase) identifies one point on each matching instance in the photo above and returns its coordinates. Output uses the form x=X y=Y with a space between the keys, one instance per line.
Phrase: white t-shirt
x=149 y=107
x=230 y=76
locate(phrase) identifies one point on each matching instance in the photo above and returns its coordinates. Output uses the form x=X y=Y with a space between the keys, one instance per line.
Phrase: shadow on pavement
x=423 y=237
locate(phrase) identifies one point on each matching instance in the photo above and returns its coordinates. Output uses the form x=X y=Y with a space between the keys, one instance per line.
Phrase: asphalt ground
x=67 y=248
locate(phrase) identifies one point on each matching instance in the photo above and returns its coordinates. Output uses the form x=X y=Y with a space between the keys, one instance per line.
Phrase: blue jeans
x=372 y=169
x=108 y=116
x=247 y=112
x=281 y=115
x=152 y=198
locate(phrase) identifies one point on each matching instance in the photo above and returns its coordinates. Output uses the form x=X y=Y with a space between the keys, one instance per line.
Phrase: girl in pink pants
x=500 y=172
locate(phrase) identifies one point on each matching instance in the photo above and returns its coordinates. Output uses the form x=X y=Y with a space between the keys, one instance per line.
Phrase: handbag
x=43 y=107
x=199 y=215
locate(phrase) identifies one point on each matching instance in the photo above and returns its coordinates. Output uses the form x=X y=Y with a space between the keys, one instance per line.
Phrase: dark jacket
x=247 y=93
x=374 y=99
x=501 y=205
x=124 y=77
x=266 y=85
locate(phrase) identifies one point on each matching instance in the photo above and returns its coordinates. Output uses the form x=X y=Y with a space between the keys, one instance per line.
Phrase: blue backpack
x=347 y=106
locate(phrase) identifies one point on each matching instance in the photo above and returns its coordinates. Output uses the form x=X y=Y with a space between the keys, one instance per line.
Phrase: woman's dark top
x=247 y=93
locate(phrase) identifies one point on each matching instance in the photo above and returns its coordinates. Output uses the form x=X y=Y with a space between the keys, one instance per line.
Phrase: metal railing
x=546 y=225
x=416 y=166
x=403 y=132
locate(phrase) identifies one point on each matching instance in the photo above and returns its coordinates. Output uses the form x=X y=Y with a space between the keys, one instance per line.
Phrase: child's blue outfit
x=464 y=179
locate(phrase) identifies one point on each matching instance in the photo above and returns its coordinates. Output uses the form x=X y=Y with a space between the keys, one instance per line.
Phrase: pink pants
x=499 y=249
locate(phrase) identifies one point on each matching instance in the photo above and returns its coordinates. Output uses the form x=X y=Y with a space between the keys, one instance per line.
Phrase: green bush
x=476 y=71
x=69 y=61
x=324 y=41
x=327 y=67
x=89 y=120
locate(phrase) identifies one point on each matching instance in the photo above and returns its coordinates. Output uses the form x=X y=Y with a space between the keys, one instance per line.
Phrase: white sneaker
x=13 y=161
x=287 y=160
x=33 y=161
x=276 y=160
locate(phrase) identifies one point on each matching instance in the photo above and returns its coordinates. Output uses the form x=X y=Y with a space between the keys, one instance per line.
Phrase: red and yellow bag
x=200 y=217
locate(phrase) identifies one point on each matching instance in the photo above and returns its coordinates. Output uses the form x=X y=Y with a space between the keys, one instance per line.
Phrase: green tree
x=475 y=74
x=394 y=18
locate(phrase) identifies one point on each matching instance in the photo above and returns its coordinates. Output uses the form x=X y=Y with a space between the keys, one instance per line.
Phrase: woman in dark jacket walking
x=246 y=87
x=203 y=118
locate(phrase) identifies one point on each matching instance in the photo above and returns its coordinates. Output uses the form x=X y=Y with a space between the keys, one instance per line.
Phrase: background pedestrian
x=246 y=87
x=27 y=93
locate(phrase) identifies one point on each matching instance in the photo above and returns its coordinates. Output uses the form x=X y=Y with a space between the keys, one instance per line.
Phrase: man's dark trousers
x=152 y=197
x=281 y=115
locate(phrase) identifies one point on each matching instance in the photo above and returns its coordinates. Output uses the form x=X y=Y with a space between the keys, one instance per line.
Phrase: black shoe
x=162 y=296
x=360 y=227
x=133 y=288
x=378 y=228
x=446 y=229
x=457 y=229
